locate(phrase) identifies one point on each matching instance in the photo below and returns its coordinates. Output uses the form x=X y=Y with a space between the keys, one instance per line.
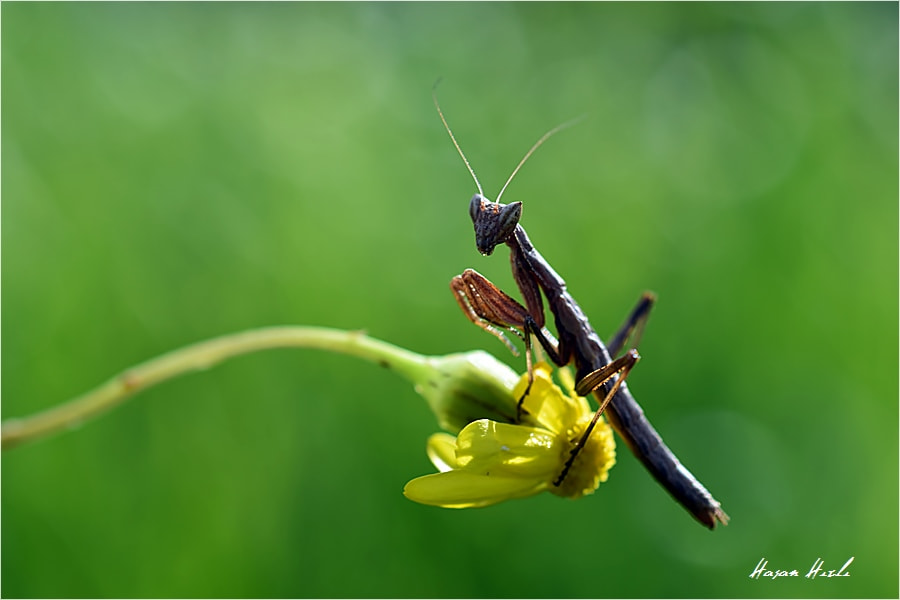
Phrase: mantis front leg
x=496 y=312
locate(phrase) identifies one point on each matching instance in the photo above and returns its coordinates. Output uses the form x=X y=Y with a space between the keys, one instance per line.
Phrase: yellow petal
x=550 y=407
x=441 y=451
x=462 y=489
x=490 y=448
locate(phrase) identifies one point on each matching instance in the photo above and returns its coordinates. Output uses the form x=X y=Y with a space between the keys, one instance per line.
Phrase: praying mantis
x=577 y=342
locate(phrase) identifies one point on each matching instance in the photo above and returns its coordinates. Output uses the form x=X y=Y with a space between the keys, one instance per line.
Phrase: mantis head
x=494 y=222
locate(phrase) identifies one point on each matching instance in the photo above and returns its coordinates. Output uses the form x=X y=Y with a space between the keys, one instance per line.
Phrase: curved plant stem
x=203 y=355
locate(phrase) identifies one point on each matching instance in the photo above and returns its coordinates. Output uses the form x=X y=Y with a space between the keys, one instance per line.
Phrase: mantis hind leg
x=633 y=327
x=631 y=330
x=622 y=367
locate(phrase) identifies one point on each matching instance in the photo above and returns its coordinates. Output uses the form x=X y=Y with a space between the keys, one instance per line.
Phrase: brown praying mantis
x=577 y=342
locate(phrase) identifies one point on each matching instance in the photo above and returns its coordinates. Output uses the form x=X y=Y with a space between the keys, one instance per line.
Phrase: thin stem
x=200 y=356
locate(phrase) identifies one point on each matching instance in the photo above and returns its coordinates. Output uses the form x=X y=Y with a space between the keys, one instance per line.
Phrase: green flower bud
x=465 y=387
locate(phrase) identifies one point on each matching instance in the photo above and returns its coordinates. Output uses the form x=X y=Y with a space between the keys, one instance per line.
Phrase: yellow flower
x=490 y=461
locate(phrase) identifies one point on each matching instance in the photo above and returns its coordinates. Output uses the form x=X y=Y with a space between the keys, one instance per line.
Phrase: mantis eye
x=509 y=218
x=475 y=205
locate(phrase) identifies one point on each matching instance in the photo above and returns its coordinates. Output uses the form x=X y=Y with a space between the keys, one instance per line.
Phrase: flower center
x=591 y=465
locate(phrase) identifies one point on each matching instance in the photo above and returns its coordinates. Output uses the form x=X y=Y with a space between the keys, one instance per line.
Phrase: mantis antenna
x=537 y=144
x=447 y=127
x=528 y=154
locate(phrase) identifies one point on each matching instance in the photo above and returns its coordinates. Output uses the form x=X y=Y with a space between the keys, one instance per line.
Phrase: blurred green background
x=173 y=172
